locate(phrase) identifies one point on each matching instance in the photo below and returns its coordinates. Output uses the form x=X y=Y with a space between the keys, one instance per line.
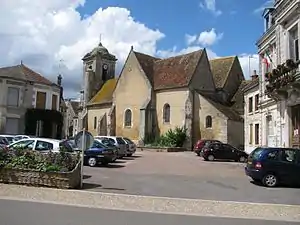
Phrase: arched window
x=95 y=122
x=128 y=118
x=166 y=113
x=208 y=122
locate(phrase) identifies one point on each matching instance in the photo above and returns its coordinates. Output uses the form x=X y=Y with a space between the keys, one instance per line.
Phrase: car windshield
x=256 y=154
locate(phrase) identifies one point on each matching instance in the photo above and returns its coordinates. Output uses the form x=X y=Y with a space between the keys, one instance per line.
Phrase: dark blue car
x=99 y=154
x=273 y=166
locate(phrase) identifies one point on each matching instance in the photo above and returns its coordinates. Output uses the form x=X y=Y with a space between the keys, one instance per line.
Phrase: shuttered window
x=54 y=102
x=41 y=100
x=13 y=96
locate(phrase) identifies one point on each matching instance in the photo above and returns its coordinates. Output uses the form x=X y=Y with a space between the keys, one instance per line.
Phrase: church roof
x=171 y=72
x=220 y=69
x=105 y=94
x=23 y=72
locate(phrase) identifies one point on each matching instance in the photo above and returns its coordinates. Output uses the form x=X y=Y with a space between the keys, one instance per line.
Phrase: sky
x=52 y=36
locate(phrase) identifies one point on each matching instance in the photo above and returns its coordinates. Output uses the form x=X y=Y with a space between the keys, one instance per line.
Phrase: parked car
x=38 y=144
x=223 y=151
x=10 y=138
x=20 y=137
x=4 y=141
x=99 y=153
x=118 y=142
x=273 y=166
x=130 y=146
x=201 y=143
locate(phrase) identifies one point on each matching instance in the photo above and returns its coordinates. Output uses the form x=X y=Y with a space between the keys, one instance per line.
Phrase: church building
x=153 y=95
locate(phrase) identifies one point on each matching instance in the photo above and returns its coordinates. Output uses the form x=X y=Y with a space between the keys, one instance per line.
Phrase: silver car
x=131 y=147
x=118 y=142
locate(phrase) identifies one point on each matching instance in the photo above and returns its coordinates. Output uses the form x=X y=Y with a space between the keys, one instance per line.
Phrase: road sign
x=83 y=141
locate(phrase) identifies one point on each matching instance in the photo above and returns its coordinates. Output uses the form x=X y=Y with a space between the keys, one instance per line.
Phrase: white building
x=71 y=118
x=279 y=110
x=21 y=89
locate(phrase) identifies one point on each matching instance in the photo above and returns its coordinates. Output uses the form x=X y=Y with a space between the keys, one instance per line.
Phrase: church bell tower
x=98 y=67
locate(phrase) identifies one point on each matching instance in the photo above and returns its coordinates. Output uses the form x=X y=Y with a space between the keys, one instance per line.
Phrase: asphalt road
x=32 y=213
x=191 y=178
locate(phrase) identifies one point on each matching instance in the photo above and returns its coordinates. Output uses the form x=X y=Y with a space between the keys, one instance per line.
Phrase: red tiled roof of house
x=34 y=76
x=171 y=72
x=23 y=72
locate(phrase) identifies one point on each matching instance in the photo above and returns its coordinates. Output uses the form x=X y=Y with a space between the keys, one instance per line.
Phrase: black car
x=273 y=166
x=99 y=153
x=223 y=151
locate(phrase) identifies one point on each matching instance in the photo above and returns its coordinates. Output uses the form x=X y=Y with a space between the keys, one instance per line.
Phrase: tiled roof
x=220 y=69
x=22 y=72
x=75 y=106
x=228 y=111
x=251 y=84
x=105 y=94
x=147 y=64
x=172 y=72
x=175 y=71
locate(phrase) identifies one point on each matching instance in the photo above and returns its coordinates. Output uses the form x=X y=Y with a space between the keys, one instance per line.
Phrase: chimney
x=254 y=76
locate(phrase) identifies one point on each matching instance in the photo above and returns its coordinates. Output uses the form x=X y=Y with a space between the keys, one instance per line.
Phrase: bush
x=34 y=160
x=173 y=138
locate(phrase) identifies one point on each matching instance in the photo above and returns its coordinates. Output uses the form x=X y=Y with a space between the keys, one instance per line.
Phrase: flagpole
x=249 y=65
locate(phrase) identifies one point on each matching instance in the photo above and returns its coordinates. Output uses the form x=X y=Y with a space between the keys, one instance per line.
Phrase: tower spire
x=100 y=39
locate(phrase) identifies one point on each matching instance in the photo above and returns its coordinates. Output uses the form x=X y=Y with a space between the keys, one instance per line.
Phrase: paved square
x=183 y=175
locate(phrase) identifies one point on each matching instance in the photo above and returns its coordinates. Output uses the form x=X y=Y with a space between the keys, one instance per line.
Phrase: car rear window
x=120 y=141
x=256 y=154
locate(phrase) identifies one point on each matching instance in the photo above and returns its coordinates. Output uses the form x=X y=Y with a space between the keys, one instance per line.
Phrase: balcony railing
x=283 y=76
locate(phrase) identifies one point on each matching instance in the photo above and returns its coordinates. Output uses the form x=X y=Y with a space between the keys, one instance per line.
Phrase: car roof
x=7 y=135
x=42 y=139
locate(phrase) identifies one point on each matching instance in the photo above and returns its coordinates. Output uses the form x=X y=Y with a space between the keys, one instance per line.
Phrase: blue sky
x=240 y=24
x=45 y=33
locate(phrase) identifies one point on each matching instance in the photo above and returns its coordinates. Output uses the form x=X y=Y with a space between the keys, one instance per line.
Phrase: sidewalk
x=152 y=204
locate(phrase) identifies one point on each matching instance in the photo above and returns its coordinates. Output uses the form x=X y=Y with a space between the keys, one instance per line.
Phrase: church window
x=166 y=113
x=208 y=122
x=128 y=118
x=95 y=122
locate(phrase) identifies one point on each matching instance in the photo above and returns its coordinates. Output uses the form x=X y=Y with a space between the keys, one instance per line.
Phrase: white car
x=118 y=142
x=20 y=137
x=38 y=144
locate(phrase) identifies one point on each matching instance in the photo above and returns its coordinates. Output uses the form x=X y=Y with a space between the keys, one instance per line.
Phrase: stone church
x=152 y=95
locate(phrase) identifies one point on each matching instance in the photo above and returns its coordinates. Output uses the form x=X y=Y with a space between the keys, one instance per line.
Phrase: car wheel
x=198 y=153
x=92 y=162
x=270 y=180
x=129 y=155
x=242 y=159
x=210 y=158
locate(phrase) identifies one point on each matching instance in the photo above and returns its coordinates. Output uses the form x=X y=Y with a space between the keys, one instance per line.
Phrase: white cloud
x=266 y=4
x=247 y=60
x=42 y=33
x=190 y=39
x=208 y=38
x=210 y=5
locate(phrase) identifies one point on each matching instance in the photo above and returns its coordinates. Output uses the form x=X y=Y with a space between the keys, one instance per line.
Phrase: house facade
x=71 y=118
x=153 y=95
x=22 y=89
x=279 y=49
